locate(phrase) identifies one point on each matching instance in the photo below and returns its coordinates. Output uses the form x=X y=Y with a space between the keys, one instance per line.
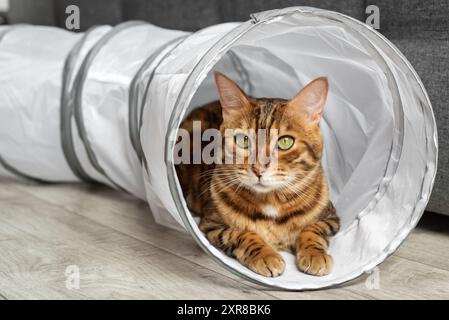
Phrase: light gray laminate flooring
x=48 y=233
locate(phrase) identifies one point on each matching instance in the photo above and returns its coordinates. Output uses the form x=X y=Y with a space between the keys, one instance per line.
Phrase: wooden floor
x=49 y=232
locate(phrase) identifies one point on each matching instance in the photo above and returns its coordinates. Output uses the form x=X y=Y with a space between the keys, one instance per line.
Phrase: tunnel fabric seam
x=134 y=123
x=79 y=83
x=67 y=110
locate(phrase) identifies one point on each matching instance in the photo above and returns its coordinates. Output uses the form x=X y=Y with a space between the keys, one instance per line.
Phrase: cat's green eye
x=242 y=140
x=285 y=142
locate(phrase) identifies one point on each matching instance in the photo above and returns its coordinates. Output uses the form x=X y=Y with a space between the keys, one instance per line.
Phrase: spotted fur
x=253 y=225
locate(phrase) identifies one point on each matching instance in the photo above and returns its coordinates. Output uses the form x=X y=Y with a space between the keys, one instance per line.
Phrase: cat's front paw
x=269 y=264
x=315 y=264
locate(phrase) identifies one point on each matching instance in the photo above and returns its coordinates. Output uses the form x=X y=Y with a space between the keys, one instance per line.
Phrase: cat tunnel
x=105 y=106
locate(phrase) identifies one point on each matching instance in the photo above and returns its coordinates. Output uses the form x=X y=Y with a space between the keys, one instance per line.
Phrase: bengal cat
x=252 y=211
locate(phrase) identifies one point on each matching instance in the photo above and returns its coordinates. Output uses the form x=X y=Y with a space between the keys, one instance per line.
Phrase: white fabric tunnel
x=105 y=106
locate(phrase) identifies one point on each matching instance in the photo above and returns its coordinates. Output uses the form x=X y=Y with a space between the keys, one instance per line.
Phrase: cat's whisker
x=305 y=197
x=240 y=185
x=216 y=170
x=224 y=181
x=227 y=185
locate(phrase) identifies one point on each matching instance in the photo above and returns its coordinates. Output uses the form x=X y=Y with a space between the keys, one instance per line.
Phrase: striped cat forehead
x=267 y=113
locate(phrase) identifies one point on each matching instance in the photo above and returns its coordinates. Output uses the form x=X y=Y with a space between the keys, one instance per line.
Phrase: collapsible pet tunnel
x=105 y=106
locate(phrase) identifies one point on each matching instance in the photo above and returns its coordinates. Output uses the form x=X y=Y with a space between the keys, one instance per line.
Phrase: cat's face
x=278 y=140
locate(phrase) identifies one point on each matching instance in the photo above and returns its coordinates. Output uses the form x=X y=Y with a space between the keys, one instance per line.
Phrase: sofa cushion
x=237 y=10
x=32 y=11
x=415 y=19
x=430 y=58
x=189 y=15
x=96 y=12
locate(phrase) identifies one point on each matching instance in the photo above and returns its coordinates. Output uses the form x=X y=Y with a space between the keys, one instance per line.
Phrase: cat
x=253 y=211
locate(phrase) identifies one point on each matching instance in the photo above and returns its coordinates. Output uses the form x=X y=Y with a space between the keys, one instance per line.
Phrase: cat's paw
x=315 y=264
x=269 y=265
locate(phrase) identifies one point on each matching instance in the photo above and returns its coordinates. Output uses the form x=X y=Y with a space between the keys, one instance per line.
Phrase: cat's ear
x=232 y=98
x=311 y=99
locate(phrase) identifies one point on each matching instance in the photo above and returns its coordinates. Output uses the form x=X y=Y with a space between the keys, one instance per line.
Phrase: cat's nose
x=259 y=170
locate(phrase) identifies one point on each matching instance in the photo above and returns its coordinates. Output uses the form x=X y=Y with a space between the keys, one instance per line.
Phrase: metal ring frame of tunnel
x=219 y=50
x=71 y=106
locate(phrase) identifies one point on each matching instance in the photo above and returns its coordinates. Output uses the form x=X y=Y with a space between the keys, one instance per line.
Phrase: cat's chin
x=262 y=188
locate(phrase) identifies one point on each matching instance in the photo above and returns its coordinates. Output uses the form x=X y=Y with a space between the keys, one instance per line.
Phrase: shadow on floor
x=434 y=222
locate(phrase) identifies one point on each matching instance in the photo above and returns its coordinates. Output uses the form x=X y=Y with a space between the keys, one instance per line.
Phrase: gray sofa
x=419 y=28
